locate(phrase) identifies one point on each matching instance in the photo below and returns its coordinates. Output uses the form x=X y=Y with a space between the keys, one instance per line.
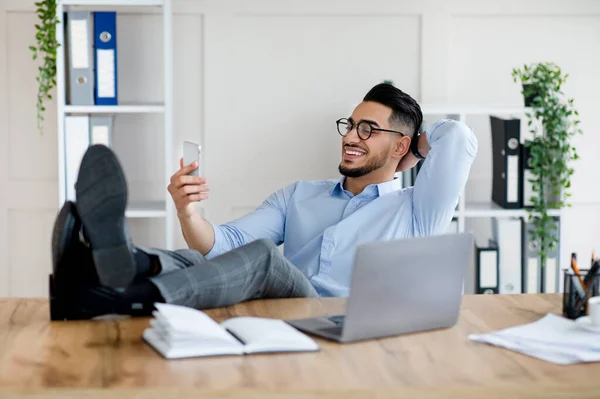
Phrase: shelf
x=472 y=109
x=115 y=109
x=490 y=209
x=147 y=209
x=112 y=3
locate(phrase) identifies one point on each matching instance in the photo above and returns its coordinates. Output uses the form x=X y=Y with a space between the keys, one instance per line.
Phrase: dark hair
x=405 y=110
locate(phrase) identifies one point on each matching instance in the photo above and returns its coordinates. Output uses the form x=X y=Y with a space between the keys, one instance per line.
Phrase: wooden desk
x=38 y=354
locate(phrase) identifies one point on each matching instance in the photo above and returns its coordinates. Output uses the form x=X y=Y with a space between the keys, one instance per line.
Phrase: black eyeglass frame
x=346 y=122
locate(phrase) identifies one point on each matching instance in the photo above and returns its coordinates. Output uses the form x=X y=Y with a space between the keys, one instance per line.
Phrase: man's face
x=361 y=157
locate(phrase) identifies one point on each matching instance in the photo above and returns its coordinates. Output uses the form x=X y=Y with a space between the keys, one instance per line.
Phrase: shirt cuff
x=429 y=133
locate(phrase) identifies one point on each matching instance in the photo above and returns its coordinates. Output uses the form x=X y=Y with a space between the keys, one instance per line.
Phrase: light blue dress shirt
x=321 y=224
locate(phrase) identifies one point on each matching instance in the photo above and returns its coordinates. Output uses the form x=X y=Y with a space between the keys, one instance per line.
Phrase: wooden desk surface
x=38 y=354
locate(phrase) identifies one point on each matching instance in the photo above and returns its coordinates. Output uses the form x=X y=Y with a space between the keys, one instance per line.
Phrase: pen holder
x=574 y=305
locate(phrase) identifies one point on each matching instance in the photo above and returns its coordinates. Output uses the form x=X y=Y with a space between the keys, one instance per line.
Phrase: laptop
x=398 y=287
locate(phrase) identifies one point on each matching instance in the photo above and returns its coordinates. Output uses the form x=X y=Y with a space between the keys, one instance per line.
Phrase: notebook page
x=191 y=348
x=185 y=338
x=181 y=320
x=268 y=335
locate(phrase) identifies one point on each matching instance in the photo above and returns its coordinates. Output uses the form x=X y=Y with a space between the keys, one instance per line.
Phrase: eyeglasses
x=363 y=128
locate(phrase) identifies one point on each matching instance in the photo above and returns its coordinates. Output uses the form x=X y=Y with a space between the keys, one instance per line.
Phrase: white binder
x=551 y=270
x=507 y=232
x=531 y=261
x=101 y=130
x=77 y=140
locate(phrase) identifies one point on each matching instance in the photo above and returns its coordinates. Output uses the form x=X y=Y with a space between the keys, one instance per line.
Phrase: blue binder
x=105 y=62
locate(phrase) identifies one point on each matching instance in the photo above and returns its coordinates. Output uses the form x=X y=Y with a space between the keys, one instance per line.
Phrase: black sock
x=143 y=291
x=146 y=265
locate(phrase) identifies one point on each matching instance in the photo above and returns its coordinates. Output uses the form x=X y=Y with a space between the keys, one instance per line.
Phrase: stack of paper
x=552 y=338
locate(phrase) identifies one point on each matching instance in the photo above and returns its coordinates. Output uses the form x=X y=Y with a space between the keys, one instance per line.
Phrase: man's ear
x=401 y=147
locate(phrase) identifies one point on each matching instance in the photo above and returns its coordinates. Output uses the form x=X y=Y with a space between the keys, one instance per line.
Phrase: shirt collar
x=338 y=188
x=382 y=188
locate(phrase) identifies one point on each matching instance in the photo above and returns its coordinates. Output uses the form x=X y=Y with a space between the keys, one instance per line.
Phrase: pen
x=582 y=301
x=578 y=282
x=590 y=275
x=588 y=284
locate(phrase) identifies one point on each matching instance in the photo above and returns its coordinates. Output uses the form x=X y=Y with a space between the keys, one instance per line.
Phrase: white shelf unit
x=115 y=109
x=469 y=209
x=149 y=209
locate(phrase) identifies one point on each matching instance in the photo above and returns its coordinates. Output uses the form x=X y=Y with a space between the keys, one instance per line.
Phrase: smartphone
x=191 y=153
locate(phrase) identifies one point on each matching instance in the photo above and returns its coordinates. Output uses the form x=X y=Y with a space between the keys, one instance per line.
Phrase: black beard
x=372 y=165
x=356 y=172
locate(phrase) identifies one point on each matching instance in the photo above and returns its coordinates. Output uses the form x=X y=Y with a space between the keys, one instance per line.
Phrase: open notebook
x=178 y=331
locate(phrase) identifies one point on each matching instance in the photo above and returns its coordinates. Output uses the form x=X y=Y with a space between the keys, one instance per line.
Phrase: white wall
x=260 y=83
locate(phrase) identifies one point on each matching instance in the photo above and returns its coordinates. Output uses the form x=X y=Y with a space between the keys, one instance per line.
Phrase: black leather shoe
x=75 y=290
x=65 y=235
x=79 y=301
x=71 y=259
x=101 y=192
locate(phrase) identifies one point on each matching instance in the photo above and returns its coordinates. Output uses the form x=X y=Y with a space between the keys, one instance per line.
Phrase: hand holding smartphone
x=186 y=186
x=191 y=153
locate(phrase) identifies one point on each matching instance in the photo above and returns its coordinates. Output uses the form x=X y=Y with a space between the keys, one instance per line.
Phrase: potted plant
x=46 y=51
x=553 y=121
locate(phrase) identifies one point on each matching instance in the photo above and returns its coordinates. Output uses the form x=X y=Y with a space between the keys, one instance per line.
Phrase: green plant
x=553 y=121
x=46 y=50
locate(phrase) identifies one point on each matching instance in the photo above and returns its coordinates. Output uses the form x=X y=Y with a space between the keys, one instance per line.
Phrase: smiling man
x=320 y=222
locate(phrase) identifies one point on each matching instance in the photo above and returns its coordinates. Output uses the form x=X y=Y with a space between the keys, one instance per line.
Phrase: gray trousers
x=255 y=270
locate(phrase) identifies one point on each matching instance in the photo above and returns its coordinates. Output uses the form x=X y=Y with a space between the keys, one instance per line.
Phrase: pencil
x=576 y=270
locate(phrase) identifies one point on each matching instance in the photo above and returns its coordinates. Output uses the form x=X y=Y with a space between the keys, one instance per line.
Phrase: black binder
x=526 y=175
x=487 y=271
x=507 y=189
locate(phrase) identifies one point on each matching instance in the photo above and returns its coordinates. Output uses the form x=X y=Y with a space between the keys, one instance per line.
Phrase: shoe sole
x=101 y=192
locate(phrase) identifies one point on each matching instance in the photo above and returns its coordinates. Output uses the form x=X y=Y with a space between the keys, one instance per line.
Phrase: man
x=98 y=270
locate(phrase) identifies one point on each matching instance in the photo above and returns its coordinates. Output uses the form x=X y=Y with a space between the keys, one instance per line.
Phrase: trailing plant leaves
x=46 y=50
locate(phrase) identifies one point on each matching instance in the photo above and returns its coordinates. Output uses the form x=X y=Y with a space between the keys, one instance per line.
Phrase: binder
x=487 y=275
x=105 y=43
x=532 y=273
x=507 y=234
x=101 y=130
x=526 y=176
x=80 y=89
x=551 y=270
x=77 y=140
x=506 y=163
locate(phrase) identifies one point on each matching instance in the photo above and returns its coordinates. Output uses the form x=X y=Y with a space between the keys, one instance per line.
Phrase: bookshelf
x=142 y=209
x=469 y=209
